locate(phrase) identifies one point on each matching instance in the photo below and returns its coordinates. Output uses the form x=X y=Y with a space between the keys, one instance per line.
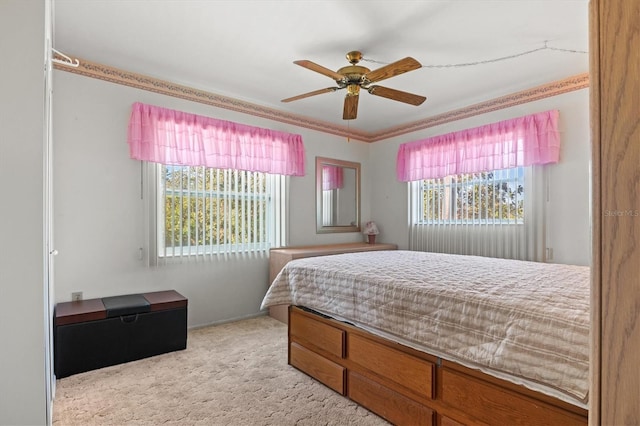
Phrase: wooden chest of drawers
x=410 y=387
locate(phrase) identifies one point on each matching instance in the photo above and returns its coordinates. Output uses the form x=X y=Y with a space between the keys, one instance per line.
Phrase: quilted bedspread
x=525 y=322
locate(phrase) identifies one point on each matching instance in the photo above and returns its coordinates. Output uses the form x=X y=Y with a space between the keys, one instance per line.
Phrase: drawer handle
x=129 y=319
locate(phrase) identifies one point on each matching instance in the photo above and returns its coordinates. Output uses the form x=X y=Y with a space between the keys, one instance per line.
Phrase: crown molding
x=139 y=81
x=576 y=82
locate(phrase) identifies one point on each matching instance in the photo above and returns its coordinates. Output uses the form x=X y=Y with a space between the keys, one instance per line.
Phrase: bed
x=430 y=338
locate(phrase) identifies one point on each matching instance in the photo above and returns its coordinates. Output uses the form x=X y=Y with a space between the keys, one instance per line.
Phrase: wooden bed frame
x=406 y=386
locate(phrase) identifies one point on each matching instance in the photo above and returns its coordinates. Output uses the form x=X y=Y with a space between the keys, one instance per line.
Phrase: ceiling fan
x=354 y=77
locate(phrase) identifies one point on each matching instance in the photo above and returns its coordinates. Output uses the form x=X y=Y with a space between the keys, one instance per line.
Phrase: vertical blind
x=207 y=212
x=496 y=214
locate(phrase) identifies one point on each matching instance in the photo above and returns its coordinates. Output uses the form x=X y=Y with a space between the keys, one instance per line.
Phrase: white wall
x=568 y=209
x=99 y=220
x=98 y=213
x=22 y=275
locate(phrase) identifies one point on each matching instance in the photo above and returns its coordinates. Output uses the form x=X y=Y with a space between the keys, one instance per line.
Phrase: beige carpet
x=231 y=374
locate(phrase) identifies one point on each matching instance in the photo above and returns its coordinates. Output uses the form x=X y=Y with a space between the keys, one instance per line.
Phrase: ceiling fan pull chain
x=487 y=61
x=348 y=132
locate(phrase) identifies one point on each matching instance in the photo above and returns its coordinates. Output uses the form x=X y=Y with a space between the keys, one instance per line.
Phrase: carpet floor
x=230 y=374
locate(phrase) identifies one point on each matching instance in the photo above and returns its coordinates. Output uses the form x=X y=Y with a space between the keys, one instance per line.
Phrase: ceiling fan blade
x=315 y=92
x=350 y=111
x=320 y=69
x=396 y=95
x=395 y=68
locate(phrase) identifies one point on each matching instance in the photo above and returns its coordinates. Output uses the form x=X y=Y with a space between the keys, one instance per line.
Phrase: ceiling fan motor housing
x=353 y=74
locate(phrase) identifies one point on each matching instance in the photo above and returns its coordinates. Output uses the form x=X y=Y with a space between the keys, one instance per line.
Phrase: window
x=457 y=206
x=497 y=214
x=213 y=186
x=495 y=197
x=204 y=211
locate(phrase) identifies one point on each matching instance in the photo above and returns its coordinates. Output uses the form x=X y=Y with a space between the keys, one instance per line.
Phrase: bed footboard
x=406 y=386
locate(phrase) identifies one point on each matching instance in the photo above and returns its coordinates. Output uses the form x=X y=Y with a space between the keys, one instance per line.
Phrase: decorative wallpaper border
x=118 y=76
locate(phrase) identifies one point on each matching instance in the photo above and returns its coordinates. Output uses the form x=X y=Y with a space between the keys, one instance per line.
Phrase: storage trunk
x=96 y=333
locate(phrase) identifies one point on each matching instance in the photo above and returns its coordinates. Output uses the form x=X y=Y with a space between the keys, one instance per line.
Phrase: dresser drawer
x=412 y=373
x=316 y=333
x=495 y=405
x=318 y=367
x=448 y=421
x=396 y=408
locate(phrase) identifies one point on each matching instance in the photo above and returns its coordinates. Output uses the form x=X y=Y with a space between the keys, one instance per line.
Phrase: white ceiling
x=245 y=49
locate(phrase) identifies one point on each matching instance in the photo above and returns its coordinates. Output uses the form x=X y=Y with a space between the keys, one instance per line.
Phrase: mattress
x=526 y=322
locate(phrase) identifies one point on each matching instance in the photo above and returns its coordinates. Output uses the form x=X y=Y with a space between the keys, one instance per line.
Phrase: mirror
x=337 y=196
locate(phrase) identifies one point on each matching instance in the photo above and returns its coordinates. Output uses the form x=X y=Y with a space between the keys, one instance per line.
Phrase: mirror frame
x=320 y=228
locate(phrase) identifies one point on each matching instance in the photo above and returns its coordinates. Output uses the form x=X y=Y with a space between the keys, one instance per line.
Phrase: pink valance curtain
x=332 y=177
x=522 y=141
x=171 y=137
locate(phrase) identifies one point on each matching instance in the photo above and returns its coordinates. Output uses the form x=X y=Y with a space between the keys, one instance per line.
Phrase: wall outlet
x=76 y=296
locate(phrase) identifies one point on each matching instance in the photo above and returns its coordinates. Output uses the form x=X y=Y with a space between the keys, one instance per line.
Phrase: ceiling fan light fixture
x=353 y=90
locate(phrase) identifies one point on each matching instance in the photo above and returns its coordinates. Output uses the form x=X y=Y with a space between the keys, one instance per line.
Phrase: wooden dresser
x=278 y=257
